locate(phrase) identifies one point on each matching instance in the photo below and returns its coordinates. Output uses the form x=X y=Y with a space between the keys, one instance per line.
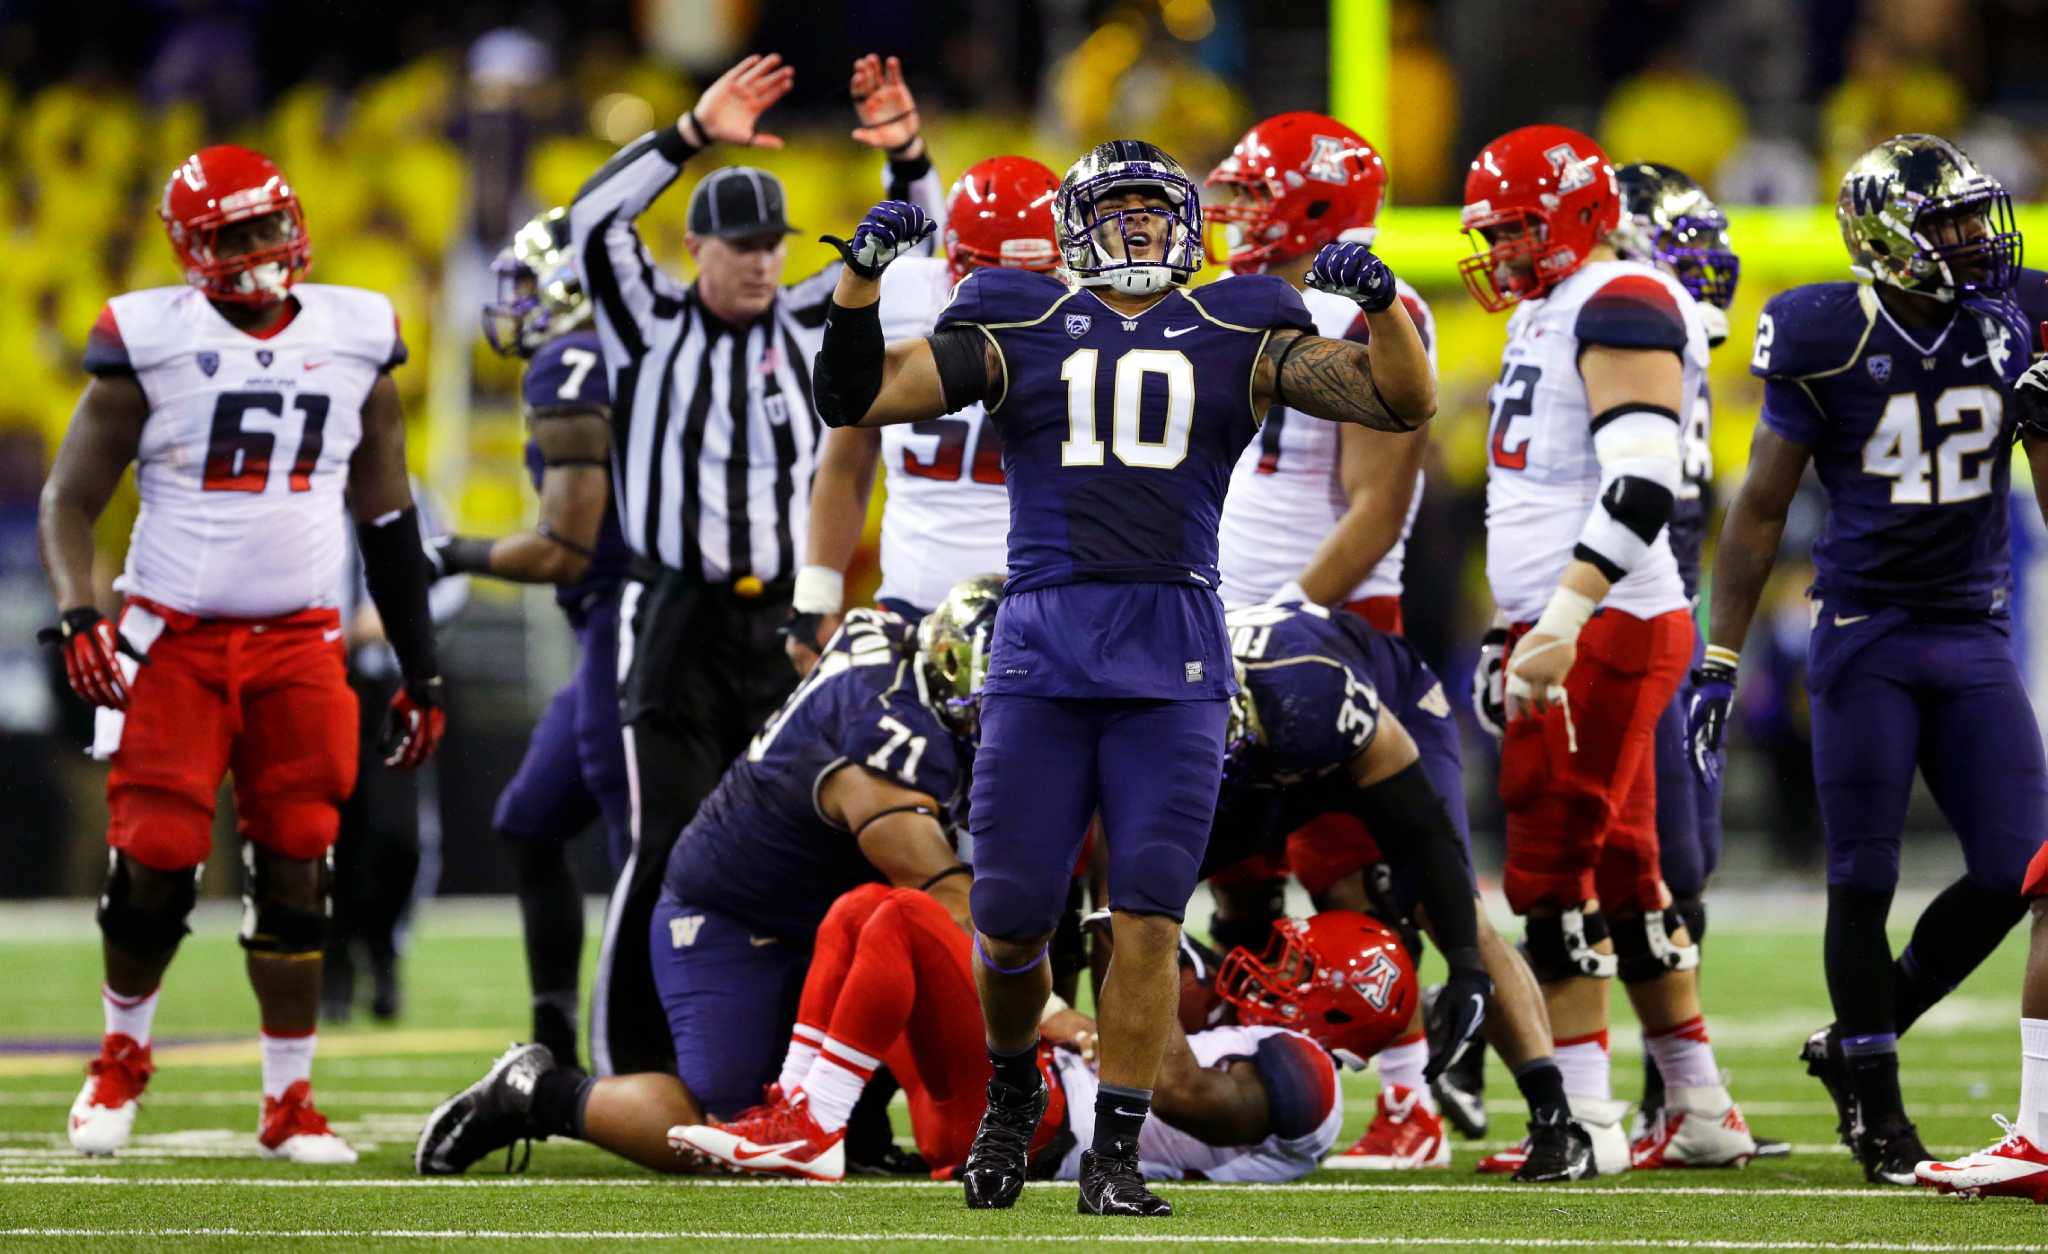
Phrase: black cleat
x=1890 y=1152
x=1768 y=1148
x=1559 y=1150
x=1461 y=1090
x=1114 y=1186
x=490 y=1115
x=997 y=1162
x=1822 y=1055
x=894 y=1161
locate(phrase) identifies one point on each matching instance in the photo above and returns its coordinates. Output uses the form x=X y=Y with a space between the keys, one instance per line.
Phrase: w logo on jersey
x=1573 y=171
x=1326 y=159
x=683 y=929
x=1078 y=324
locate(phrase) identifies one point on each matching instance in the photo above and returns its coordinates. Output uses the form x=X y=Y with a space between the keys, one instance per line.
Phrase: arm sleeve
x=1633 y=311
x=629 y=290
x=395 y=568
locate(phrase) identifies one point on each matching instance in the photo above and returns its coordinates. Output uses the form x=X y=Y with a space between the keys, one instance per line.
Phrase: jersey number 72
x=238 y=457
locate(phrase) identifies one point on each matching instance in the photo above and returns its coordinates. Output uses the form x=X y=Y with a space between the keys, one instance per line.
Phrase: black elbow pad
x=961 y=355
x=847 y=375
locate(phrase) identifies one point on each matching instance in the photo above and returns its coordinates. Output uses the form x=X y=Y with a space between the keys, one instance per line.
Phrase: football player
x=1894 y=389
x=1317 y=512
x=249 y=403
x=853 y=781
x=575 y=764
x=1604 y=359
x=1336 y=718
x=1123 y=401
x=945 y=515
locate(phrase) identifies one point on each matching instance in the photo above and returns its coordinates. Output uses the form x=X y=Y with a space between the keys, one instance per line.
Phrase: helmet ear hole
x=1317 y=208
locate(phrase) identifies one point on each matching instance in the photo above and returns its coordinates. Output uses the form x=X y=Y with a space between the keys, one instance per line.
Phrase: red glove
x=413 y=728
x=90 y=645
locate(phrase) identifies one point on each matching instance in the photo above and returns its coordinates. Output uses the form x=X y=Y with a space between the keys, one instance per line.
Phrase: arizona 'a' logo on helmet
x=1918 y=214
x=1296 y=181
x=539 y=296
x=1121 y=247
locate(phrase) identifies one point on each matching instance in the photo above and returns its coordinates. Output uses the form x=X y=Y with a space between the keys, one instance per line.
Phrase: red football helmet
x=1000 y=214
x=1342 y=977
x=1302 y=179
x=215 y=188
x=1559 y=188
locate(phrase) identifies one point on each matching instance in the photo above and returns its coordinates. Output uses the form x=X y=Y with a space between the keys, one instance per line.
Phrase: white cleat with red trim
x=104 y=1113
x=783 y=1140
x=1698 y=1127
x=294 y=1130
x=1404 y=1134
x=2015 y=1167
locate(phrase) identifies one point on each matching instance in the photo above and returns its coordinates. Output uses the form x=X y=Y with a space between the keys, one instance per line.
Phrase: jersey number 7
x=238 y=458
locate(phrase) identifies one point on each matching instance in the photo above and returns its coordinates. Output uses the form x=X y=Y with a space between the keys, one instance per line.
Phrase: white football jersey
x=947 y=515
x=1287 y=490
x=1167 y=1153
x=1542 y=474
x=245 y=453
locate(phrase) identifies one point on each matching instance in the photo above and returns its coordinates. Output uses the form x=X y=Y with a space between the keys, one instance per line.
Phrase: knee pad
x=1644 y=945
x=285 y=902
x=147 y=920
x=1300 y=1082
x=1560 y=946
x=1693 y=912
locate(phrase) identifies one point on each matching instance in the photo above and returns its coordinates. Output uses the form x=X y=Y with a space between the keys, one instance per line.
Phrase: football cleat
x=1404 y=1134
x=1504 y=1162
x=492 y=1114
x=292 y=1129
x=1559 y=1149
x=1601 y=1118
x=1115 y=1186
x=2015 y=1167
x=1696 y=1127
x=104 y=1113
x=1000 y=1157
x=1822 y=1055
x=784 y=1141
x=1891 y=1152
x=1461 y=1090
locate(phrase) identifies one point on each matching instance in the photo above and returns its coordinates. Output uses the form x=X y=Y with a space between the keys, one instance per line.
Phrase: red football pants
x=268 y=700
x=1579 y=782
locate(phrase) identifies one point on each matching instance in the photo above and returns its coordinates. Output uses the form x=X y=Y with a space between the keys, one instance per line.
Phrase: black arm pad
x=961 y=354
x=396 y=569
x=1407 y=819
x=466 y=555
x=1642 y=505
x=848 y=373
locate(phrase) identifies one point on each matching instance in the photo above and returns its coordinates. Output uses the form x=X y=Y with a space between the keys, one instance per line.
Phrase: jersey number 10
x=1083 y=445
x=238 y=459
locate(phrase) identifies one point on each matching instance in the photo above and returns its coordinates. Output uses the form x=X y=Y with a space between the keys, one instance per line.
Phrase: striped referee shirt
x=714 y=437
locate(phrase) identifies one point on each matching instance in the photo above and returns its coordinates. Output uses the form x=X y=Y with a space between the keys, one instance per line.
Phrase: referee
x=714 y=442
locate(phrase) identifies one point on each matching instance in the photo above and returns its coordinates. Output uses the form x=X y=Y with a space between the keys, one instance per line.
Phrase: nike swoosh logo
x=1849 y=622
x=741 y=1153
x=1184 y=330
x=315 y=365
x=1130 y=1114
x=1978 y=360
x=758 y=941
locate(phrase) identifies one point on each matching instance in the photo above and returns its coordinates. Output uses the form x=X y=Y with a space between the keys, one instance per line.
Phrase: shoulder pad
x=105 y=352
x=1000 y=296
x=362 y=323
x=1252 y=302
x=567 y=373
x=897 y=736
x=1810 y=330
x=1632 y=310
x=152 y=324
x=2031 y=293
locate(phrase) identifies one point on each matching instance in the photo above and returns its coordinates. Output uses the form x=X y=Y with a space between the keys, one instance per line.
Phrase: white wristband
x=819 y=590
x=1720 y=655
x=1565 y=615
x=1289 y=592
x=1054 y=1003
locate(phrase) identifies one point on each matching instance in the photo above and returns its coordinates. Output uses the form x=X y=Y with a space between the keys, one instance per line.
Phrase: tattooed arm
x=1391 y=389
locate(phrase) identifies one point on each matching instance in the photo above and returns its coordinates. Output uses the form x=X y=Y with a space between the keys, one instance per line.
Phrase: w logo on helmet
x=1868 y=193
x=1326 y=159
x=1573 y=171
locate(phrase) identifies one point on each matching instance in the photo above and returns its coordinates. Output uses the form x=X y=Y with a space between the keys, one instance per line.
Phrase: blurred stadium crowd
x=419 y=135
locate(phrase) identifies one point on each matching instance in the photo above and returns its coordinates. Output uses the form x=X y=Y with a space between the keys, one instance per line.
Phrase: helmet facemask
x=1508 y=266
x=261 y=273
x=1964 y=261
x=538 y=294
x=1096 y=244
x=953 y=643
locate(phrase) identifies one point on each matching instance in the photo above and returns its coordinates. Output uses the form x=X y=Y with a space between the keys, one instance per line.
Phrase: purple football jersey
x=568 y=373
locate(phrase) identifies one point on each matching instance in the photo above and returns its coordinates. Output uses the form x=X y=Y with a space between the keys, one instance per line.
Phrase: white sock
x=796 y=1064
x=129 y=1016
x=1683 y=1056
x=835 y=1083
x=1583 y=1060
x=2034 y=1080
x=1400 y=1066
x=286 y=1061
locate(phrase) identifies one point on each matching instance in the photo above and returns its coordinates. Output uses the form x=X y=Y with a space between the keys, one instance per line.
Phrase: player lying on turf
x=1341 y=720
x=259 y=413
x=893 y=982
x=1894 y=389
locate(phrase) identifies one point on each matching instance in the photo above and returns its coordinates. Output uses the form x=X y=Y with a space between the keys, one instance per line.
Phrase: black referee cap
x=738 y=201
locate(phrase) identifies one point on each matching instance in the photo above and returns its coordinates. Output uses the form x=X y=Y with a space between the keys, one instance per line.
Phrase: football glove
x=91 y=646
x=2030 y=399
x=414 y=724
x=1455 y=1016
x=1706 y=719
x=891 y=229
x=1489 y=683
x=1349 y=269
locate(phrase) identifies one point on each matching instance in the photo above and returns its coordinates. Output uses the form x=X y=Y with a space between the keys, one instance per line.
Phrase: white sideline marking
x=1128 y=1238
x=251 y=1097
x=670 y=1182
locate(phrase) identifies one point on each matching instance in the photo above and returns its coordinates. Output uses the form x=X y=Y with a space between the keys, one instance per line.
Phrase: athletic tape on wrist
x=1566 y=615
x=1054 y=1004
x=1718 y=655
x=818 y=590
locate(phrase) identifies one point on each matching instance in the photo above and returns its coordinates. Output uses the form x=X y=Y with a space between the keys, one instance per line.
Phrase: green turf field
x=193 y=1177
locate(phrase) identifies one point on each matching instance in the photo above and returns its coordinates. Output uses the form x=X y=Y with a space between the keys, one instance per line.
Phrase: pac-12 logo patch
x=208 y=363
x=1078 y=324
x=263 y=356
x=1880 y=367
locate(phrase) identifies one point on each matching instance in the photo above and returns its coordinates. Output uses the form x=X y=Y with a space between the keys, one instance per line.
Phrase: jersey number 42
x=1967 y=422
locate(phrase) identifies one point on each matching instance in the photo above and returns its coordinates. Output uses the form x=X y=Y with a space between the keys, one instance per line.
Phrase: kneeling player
x=849 y=783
